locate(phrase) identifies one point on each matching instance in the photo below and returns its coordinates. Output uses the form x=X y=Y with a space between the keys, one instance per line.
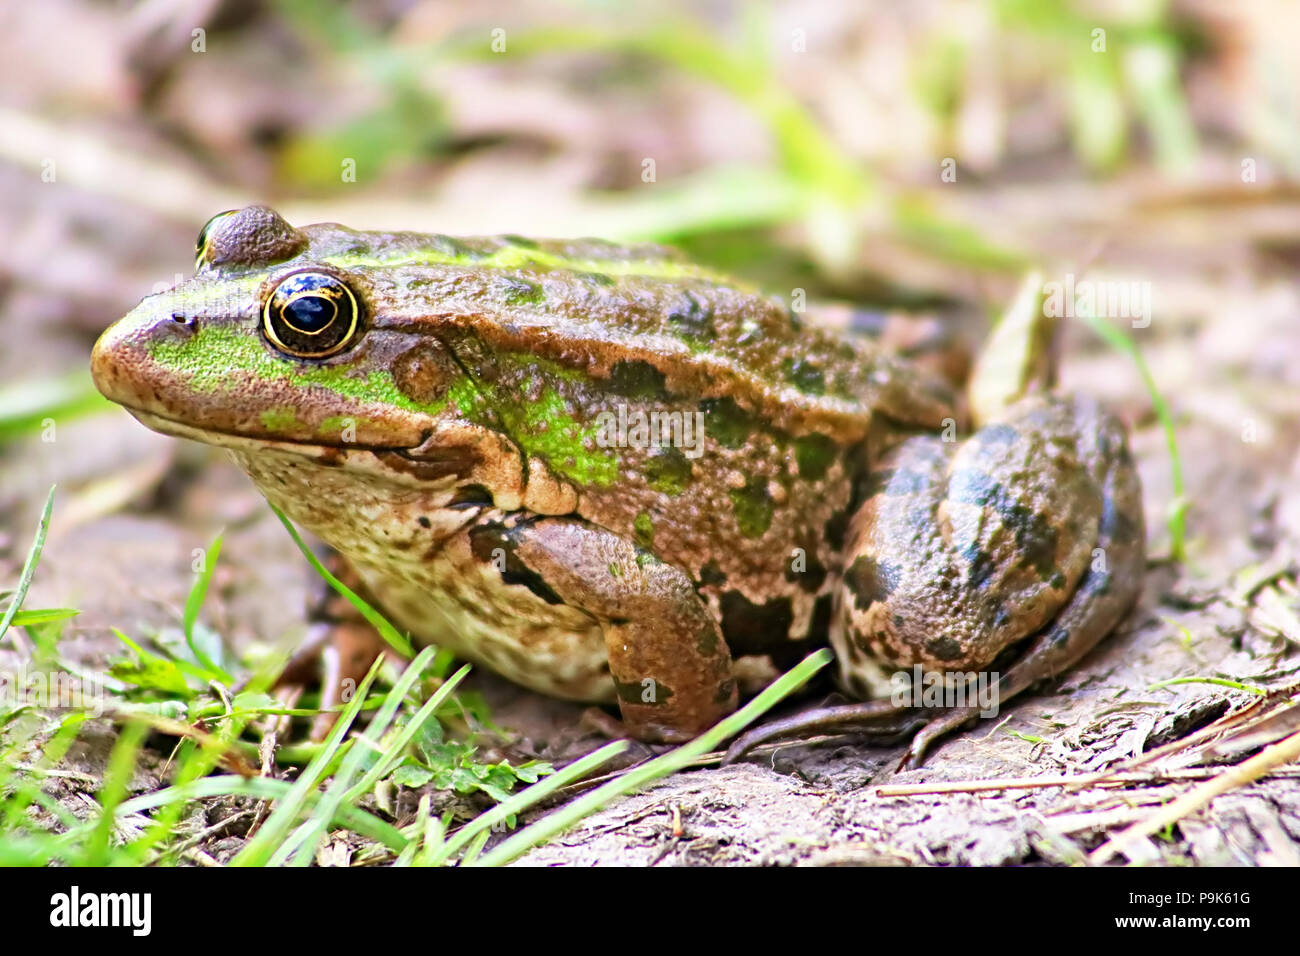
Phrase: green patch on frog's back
x=510 y=256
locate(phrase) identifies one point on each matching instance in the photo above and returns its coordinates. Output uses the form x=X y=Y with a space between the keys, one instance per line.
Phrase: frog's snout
x=121 y=363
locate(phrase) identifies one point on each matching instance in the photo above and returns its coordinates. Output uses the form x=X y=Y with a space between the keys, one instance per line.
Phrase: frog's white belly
x=414 y=555
x=555 y=650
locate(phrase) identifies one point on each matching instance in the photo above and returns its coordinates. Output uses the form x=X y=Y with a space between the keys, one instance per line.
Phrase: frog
x=615 y=476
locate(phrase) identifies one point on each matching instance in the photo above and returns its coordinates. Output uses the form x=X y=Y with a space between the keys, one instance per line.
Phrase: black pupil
x=309 y=314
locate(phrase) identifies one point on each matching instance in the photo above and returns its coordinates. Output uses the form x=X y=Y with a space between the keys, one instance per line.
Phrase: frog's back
x=635 y=317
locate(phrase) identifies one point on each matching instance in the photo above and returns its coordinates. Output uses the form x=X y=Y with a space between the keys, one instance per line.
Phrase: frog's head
x=302 y=340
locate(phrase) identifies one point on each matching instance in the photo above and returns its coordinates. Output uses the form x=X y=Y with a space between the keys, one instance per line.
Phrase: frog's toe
x=926 y=737
x=883 y=721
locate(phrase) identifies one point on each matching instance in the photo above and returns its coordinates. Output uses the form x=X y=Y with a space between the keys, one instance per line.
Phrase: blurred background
x=880 y=155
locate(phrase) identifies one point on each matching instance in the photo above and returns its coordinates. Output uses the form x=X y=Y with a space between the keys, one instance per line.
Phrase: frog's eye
x=201 y=244
x=311 y=315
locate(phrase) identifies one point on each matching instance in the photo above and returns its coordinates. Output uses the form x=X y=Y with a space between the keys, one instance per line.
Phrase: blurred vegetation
x=794 y=143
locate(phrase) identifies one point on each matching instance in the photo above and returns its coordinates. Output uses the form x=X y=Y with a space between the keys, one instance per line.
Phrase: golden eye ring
x=311 y=315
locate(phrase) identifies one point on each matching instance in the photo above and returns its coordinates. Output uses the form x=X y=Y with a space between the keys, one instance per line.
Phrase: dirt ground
x=1222 y=346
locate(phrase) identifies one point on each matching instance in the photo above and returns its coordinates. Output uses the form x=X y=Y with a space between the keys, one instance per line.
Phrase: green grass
x=400 y=729
x=1176 y=519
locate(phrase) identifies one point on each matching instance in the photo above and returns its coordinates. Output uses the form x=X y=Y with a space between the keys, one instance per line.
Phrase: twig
x=1073 y=781
x=1251 y=770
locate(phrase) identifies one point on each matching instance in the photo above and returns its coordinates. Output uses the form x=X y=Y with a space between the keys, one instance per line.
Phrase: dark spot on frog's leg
x=870 y=580
x=637 y=379
x=814 y=455
x=837 y=525
x=668 y=471
x=944 y=648
x=1036 y=536
x=424 y=522
x=641 y=692
x=486 y=539
x=749 y=628
x=820 y=624
x=1036 y=541
x=810 y=579
x=708 y=642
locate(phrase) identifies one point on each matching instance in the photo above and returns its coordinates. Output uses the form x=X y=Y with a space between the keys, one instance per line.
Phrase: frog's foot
x=339 y=649
x=598 y=721
x=882 y=721
x=670 y=665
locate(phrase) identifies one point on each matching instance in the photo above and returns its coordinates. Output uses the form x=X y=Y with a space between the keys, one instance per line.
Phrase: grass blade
x=29 y=566
x=193 y=603
x=565 y=817
x=396 y=639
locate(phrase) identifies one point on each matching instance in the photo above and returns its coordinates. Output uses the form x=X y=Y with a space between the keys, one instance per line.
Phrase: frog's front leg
x=670 y=664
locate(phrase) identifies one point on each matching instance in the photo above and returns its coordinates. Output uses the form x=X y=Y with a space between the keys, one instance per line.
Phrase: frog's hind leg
x=1099 y=603
x=1029 y=532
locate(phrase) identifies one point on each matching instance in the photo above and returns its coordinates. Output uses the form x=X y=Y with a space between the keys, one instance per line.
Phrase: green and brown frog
x=614 y=476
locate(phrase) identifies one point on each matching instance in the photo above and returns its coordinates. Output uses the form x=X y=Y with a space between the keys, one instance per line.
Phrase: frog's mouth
x=324 y=452
x=397 y=464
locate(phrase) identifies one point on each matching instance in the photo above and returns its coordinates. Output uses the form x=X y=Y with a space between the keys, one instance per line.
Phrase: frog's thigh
x=961 y=550
x=1108 y=589
x=670 y=664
